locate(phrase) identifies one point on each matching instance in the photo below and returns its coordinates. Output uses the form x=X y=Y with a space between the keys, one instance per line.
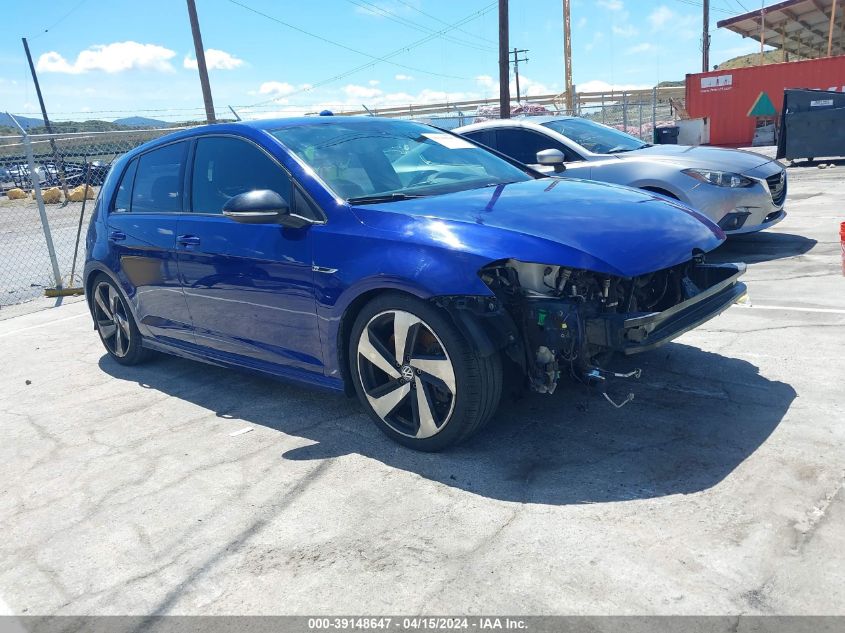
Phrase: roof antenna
x=237 y=116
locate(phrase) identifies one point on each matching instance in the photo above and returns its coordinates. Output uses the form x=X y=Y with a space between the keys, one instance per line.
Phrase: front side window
x=595 y=137
x=225 y=167
x=523 y=145
x=159 y=178
x=366 y=160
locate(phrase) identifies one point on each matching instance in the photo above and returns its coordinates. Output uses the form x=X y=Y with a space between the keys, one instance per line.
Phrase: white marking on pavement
x=790 y=308
x=241 y=432
x=40 y=325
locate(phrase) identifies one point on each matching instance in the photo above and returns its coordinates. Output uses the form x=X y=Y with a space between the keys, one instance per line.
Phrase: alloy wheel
x=112 y=319
x=407 y=376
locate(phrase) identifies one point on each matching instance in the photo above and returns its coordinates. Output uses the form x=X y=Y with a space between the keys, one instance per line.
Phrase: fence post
x=603 y=115
x=654 y=114
x=640 y=113
x=625 y=111
x=45 y=224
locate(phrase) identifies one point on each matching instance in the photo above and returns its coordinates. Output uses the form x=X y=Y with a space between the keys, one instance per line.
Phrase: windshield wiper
x=383 y=197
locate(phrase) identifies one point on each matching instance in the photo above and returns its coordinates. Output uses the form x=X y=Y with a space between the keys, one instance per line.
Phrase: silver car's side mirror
x=552 y=158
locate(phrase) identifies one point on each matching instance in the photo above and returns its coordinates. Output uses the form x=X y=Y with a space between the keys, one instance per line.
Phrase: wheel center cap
x=407 y=373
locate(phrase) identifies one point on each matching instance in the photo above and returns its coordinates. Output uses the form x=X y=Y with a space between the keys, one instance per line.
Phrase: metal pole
x=762 y=29
x=203 y=69
x=705 y=39
x=516 y=73
x=504 y=62
x=567 y=57
x=830 y=30
x=625 y=111
x=603 y=114
x=58 y=159
x=79 y=226
x=45 y=224
x=653 y=113
x=641 y=117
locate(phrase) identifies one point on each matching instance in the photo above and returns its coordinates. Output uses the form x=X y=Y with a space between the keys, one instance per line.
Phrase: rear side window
x=123 y=197
x=159 y=179
x=523 y=145
x=225 y=167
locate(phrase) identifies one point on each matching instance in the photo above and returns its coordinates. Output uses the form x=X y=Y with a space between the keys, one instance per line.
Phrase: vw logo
x=407 y=373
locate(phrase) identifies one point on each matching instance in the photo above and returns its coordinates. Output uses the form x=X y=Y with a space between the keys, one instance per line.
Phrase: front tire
x=115 y=323
x=421 y=381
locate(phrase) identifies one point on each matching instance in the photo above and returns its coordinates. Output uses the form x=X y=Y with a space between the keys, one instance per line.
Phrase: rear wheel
x=115 y=323
x=421 y=381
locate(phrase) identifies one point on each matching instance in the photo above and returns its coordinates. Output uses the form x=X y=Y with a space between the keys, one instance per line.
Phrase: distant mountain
x=140 y=121
x=26 y=122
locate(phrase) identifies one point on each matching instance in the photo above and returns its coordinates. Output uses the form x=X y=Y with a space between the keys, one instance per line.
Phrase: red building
x=726 y=97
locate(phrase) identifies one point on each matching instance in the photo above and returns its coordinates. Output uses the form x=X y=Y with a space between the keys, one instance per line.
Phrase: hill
x=26 y=122
x=747 y=61
x=140 y=121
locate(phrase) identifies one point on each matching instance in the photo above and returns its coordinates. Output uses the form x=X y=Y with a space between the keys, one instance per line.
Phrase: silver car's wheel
x=406 y=374
x=112 y=319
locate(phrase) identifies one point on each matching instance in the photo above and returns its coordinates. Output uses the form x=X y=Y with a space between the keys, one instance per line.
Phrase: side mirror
x=552 y=158
x=262 y=206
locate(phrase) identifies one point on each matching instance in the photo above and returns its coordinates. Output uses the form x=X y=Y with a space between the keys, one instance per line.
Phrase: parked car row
x=410 y=266
x=18 y=175
x=741 y=191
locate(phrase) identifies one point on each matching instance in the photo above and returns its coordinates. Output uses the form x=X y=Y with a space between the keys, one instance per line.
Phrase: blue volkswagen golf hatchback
x=391 y=260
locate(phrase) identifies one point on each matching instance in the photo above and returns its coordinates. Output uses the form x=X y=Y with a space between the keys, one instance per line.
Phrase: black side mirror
x=262 y=206
x=552 y=158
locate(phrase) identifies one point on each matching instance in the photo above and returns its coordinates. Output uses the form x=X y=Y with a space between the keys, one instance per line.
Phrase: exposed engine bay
x=573 y=321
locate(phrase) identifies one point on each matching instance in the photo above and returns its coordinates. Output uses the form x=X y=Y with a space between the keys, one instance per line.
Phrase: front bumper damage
x=553 y=322
x=718 y=288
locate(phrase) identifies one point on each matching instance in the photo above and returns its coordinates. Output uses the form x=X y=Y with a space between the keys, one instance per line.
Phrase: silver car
x=741 y=191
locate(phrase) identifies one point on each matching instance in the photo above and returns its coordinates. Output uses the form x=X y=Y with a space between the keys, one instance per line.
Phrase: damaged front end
x=570 y=321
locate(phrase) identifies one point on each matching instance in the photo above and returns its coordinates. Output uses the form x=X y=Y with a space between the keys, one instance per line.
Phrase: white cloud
x=626 y=30
x=361 y=92
x=374 y=82
x=611 y=5
x=401 y=77
x=215 y=60
x=661 y=17
x=278 y=88
x=111 y=58
x=641 y=48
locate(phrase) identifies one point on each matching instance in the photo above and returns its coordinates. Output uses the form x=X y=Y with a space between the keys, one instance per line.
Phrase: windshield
x=372 y=160
x=596 y=137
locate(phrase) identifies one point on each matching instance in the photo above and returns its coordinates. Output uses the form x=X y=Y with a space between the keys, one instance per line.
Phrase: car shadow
x=761 y=247
x=697 y=416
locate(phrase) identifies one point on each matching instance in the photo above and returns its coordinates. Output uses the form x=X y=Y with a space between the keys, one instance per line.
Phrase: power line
x=338 y=44
x=698 y=4
x=434 y=17
x=60 y=20
x=399 y=51
x=381 y=12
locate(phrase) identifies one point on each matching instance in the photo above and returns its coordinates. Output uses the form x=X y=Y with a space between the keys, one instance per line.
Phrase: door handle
x=117 y=236
x=188 y=240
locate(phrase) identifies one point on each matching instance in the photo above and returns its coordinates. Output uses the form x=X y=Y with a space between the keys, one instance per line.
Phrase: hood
x=575 y=223
x=705 y=157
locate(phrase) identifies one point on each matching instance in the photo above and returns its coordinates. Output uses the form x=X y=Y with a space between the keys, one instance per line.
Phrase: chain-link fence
x=44 y=246
x=637 y=112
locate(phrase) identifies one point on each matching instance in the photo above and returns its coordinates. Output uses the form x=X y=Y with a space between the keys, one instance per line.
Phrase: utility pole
x=203 y=69
x=762 y=31
x=504 y=62
x=705 y=39
x=830 y=30
x=60 y=168
x=567 y=58
x=516 y=60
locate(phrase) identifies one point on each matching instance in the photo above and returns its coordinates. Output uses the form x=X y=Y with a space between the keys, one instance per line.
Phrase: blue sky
x=111 y=59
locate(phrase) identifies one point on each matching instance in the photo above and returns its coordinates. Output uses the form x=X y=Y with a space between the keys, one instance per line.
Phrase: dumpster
x=812 y=124
x=667 y=135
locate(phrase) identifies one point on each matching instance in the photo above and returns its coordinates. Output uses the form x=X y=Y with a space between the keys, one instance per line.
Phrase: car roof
x=516 y=120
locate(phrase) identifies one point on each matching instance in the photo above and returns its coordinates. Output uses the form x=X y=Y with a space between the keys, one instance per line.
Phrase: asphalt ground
x=718 y=490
